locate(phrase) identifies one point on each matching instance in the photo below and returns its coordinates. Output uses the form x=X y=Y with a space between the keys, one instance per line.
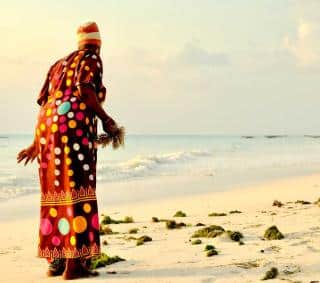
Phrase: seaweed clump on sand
x=304 y=202
x=180 y=213
x=273 y=233
x=211 y=250
x=235 y=235
x=108 y=220
x=211 y=231
x=106 y=230
x=271 y=274
x=171 y=224
x=277 y=203
x=217 y=214
x=143 y=239
x=103 y=259
x=196 y=242
x=133 y=231
x=200 y=224
x=155 y=219
x=235 y=211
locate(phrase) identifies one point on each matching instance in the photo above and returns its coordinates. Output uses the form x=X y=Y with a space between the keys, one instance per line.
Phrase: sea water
x=229 y=159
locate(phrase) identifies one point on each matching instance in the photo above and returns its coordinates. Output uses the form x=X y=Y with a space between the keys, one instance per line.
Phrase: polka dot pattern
x=67 y=161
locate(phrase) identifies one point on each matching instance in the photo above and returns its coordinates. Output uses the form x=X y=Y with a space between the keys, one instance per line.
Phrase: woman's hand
x=29 y=154
x=116 y=134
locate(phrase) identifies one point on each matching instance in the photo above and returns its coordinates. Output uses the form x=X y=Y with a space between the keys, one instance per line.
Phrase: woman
x=65 y=145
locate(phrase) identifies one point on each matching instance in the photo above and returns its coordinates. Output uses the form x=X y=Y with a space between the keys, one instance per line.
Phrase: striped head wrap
x=88 y=33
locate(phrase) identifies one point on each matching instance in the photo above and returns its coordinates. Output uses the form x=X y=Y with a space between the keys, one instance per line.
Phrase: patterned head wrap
x=88 y=33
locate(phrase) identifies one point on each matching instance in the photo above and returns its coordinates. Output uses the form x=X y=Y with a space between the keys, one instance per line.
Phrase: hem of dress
x=75 y=253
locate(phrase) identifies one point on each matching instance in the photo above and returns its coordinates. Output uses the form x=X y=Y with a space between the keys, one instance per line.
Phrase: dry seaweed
x=277 y=203
x=180 y=213
x=273 y=233
x=217 y=214
x=196 y=242
x=108 y=220
x=155 y=219
x=211 y=231
x=304 y=202
x=133 y=231
x=235 y=235
x=103 y=259
x=271 y=274
x=143 y=239
x=235 y=211
x=171 y=224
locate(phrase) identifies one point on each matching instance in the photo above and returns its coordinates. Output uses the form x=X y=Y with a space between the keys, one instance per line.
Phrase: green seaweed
x=209 y=247
x=155 y=219
x=235 y=235
x=108 y=220
x=143 y=239
x=103 y=259
x=133 y=231
x=172 y=224
x=273 y=233
x=217 y=214
x=235 y=211
x=303 y=202
x=180 y=213
x=196 y=242
x=271 y=274
x=105 y=230
x=211 y=231
x=212 y=252
x=277 y=203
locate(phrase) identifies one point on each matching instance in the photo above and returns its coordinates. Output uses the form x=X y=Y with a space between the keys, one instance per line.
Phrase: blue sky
x=174 y=66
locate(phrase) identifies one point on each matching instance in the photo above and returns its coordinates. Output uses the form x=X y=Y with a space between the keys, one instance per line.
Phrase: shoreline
x=170 y=257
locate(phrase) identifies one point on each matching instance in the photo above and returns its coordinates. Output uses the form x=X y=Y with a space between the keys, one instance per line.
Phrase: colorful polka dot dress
x=65 y=132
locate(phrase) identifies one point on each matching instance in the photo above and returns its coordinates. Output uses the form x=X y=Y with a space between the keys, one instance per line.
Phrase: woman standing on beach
x=65 y=146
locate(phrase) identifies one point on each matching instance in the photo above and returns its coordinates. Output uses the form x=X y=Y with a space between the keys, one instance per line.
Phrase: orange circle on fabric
x=42 y=127
x=70 y=73
x=68 y=82
x=72 y=65
x=53 y=212
x=54 y=128
x=68 y=161
x=87 y=68
x=48 y=113
x=64 y=139
x=72 y=184
x=79 y=224
x=59 y=94
x=70 y=172
x=72 y=124
x=66 y=149
x=87 y=207
x=73 y=240
x=82 y=106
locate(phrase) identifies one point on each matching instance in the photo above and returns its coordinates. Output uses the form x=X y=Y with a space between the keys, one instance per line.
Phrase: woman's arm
x=88 y=95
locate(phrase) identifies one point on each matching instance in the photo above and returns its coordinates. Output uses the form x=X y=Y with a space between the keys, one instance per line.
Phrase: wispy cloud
x=305 y=44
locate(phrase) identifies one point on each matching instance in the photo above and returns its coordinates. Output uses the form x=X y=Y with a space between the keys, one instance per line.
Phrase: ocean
x=226 y=160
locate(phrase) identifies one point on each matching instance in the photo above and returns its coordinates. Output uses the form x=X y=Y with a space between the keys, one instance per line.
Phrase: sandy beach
x=170 y=256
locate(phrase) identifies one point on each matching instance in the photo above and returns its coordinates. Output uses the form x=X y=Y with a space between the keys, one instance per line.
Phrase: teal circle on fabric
x=64 y=108
x=63 y=226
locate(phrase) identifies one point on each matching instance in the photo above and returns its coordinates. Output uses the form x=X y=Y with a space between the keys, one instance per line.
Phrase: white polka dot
x=55 y=118
x=86 y=167
x=58 y=102
x=57 y=161
x=94 y=56
x=64 y=63
x=98 y=64
x=90 y=145
x=73 y=99
x=56 y=172
x=80 y=156
x=43 y=140
x=70 y=115
x=57 y=150
x=91 y=177
x=76 y=146
x=100 y=74
x=56 y=183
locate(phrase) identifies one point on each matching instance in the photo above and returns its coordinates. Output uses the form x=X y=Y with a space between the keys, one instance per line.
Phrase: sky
x=174 y=66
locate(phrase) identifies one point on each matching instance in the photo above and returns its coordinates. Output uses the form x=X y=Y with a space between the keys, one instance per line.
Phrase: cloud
x=305 y=45
x=193 y=55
